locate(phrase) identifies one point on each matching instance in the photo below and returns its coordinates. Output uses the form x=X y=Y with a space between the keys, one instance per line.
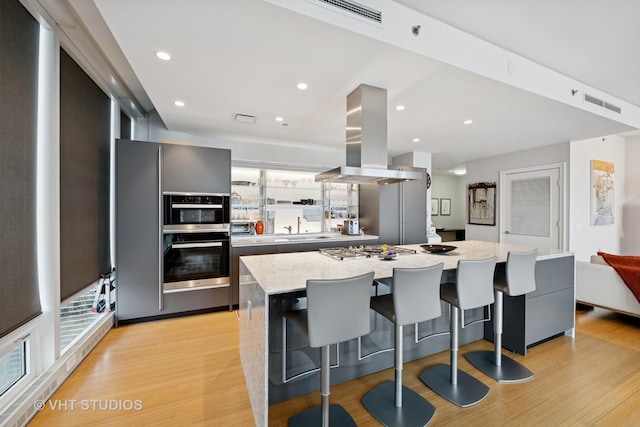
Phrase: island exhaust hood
x=367 y=142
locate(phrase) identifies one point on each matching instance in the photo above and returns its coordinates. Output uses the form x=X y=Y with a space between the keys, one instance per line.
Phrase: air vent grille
x=244 y=118
x=356 y=9
x=612 y=107
x=593 y=100
x=600 y=103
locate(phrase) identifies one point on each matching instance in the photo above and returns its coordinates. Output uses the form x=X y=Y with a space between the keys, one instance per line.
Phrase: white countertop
x=270 y=239
x=281 y=273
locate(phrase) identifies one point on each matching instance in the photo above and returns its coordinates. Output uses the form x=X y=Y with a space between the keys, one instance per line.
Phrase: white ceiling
x=246 y=56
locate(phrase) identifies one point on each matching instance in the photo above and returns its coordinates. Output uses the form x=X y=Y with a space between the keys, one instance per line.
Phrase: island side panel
x=253 y=343
x=545 y=313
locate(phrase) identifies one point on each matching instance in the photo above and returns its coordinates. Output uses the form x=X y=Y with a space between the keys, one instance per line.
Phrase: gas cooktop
x=367 y=251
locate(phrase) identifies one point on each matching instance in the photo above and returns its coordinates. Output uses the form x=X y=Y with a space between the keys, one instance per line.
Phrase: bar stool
x=415 y=298
x=520 y=279
x=337 y=311
x=473 y=289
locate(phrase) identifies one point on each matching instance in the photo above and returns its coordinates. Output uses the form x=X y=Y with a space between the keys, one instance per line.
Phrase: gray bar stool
x=473 y=289
x=337 y=311
x=520 y=279
x=415 y=298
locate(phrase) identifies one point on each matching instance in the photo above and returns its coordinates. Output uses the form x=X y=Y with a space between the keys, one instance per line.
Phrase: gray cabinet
x=195 y=169
x=306 y=246
x=137 y=229
x=542 y=314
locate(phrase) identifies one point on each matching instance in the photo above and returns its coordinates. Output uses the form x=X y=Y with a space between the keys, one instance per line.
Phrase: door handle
x=196 y=245
x=507 y=232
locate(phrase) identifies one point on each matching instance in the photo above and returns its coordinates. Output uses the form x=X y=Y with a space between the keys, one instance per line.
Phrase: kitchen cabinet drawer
x=201 y=299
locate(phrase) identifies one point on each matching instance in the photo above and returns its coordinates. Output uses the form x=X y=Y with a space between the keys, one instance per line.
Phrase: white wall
x=488 y=170
x=450 y=187
x=278 y=153
x=630 y=239
x=586 y=239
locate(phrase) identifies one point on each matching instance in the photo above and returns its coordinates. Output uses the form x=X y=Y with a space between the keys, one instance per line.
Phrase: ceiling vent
x=244 y=118
x=600 y=103
x=356 y=9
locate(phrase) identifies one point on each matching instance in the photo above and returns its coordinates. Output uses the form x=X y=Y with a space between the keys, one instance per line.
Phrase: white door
x=532 y=204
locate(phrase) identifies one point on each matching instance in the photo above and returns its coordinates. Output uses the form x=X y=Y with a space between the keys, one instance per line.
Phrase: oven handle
x=196 y=245
x=194 y=206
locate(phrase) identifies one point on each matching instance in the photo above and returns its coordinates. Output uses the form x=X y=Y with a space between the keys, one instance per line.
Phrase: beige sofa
x=598 y=284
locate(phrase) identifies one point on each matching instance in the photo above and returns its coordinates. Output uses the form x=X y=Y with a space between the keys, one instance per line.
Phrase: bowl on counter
x=436 y=249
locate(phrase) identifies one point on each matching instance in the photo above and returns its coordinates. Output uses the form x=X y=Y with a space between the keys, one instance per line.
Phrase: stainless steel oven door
x=195 y=261
x=185 y=212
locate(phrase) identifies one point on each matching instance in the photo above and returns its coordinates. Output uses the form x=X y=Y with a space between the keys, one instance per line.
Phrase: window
x=13 y=366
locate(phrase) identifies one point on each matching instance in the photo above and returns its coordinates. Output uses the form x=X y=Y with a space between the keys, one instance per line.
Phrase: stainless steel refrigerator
x=395 y=212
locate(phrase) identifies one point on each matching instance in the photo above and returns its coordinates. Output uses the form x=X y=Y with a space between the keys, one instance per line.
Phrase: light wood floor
x=187 y=372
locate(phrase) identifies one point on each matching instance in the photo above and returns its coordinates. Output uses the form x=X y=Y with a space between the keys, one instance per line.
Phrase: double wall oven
x=196 y=241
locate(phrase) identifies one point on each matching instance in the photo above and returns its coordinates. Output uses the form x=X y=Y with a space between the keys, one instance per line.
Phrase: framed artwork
x=482 y=203
x=434 y=207
x=445 y=206
x=602 y=186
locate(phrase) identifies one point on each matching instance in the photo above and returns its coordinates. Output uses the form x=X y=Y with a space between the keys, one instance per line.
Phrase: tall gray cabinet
x=137 y=229
x=143 y=171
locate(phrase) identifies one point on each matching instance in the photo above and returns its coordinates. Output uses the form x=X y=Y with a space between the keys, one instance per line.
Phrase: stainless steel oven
x=185 y=212
x=195 y=241
x=195 y=260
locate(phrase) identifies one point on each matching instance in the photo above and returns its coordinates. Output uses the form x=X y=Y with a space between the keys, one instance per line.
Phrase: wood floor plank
x=187 y=372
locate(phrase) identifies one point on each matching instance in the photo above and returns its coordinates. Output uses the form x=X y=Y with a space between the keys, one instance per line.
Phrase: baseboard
x=20 y=412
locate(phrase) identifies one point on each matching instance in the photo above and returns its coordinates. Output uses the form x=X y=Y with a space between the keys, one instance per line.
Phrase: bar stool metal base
x=510 y=371
x=467 y=392
x=415 y=410
x=338 y=416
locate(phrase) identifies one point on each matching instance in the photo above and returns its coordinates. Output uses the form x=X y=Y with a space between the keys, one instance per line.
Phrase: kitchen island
x=270 y=284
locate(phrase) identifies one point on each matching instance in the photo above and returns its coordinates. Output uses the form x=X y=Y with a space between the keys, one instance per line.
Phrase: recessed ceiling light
x=416 y=139
x=400 y=107
x=459 y=171
x=163 y=55
x=279 y=119
x=468 y=122
x=302 y=86
x=178 y=103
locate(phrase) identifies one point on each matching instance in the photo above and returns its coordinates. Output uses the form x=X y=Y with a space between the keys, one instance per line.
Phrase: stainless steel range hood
x=367 y=142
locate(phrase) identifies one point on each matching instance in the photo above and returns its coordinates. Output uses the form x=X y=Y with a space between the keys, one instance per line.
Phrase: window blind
x=530 y=207
x=85 y=116
x=19 y=295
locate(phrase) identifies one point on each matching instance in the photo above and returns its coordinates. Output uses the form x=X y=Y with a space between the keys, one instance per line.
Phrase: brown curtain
x=19 y=295
x=85 y=117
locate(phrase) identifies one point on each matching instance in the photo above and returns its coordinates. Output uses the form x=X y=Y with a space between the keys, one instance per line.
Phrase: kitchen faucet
x=288 y=227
